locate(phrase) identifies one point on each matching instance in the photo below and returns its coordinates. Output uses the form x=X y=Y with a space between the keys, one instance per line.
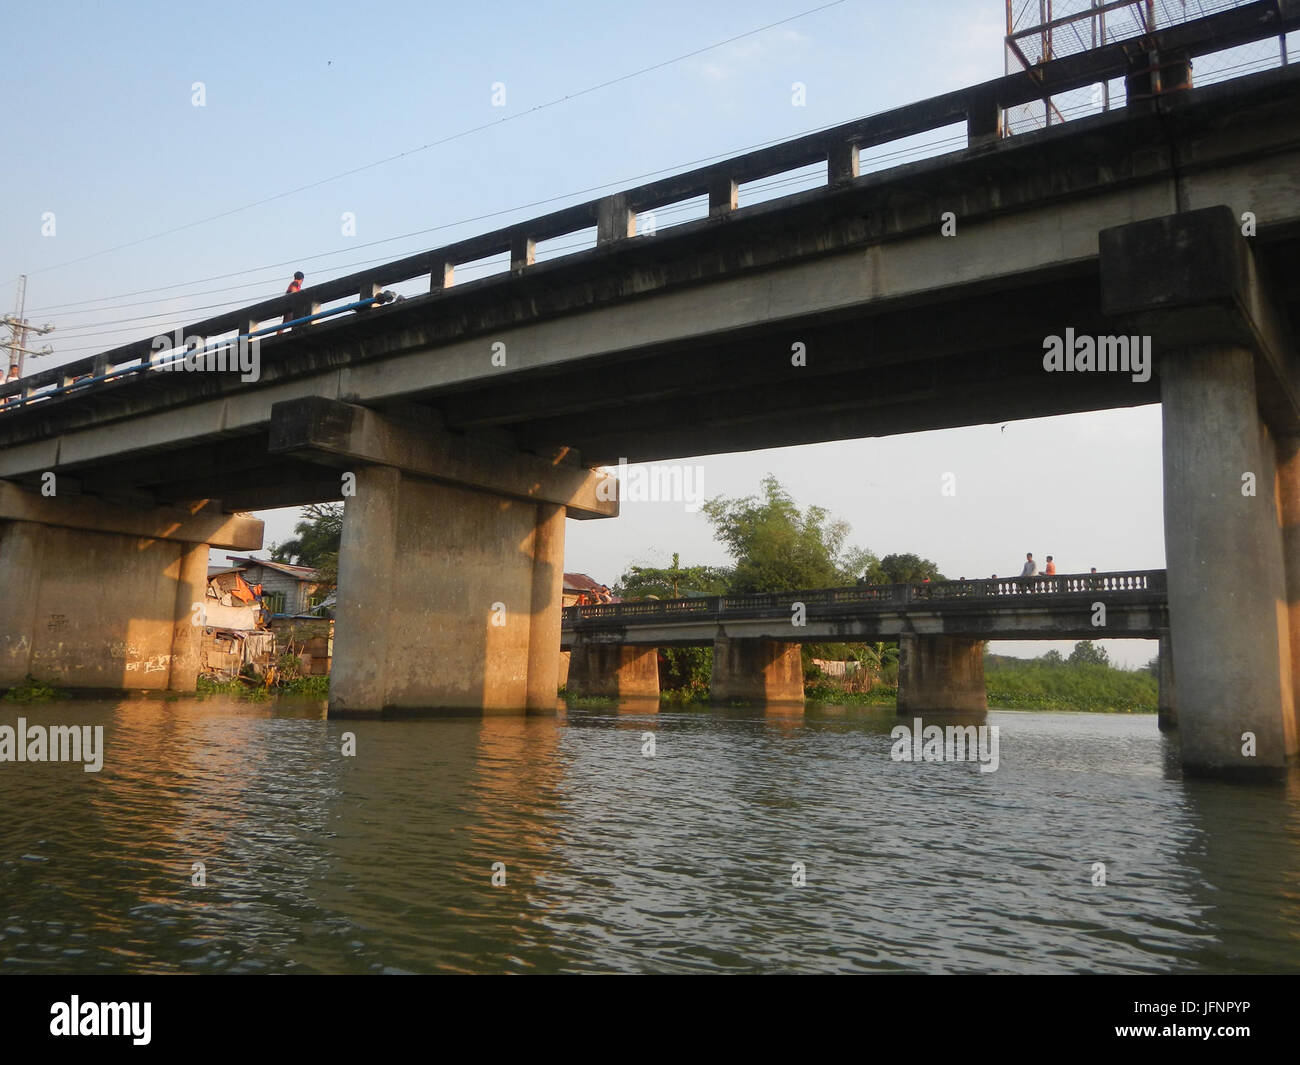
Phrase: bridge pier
x=756 y=671
x=148 y=568
x=451 y=560
x=614 y=670
x=940 y=673
x=1166 y=697
x=1225 y=367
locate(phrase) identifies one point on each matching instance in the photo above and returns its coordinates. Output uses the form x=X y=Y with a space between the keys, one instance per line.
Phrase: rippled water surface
x=615 y=861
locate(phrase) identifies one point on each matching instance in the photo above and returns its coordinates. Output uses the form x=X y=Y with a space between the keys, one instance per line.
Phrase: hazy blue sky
x=103 y=133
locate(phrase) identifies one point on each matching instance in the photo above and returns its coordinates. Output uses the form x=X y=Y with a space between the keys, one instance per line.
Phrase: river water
x=316 y=861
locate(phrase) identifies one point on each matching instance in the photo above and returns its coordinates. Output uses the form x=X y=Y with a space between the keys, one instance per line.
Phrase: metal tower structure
x=1039 y=31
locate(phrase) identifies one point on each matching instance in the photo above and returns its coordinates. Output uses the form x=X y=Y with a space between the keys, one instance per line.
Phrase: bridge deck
x=679 y=344
x=1061 y=606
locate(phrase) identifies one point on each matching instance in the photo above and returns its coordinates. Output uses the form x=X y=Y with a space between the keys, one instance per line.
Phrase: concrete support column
x=367 y=576
x=1166 y=697
x=191 y=588
x=97 y=595
x=756 y=671
x=544 y=622
x=614 y=671
x=940 y=673
x=20 y=576
x=1288 y=505
x=98 y=610
x=1228 y=601
x=449 y=599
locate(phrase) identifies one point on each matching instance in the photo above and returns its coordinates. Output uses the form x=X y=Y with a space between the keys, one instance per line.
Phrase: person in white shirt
x=1030 y=570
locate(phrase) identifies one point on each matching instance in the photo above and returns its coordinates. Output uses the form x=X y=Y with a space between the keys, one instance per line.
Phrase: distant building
x=233 y=633
x=286 y=589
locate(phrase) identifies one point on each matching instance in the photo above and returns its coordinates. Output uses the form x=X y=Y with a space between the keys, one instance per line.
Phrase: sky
x=167 y=161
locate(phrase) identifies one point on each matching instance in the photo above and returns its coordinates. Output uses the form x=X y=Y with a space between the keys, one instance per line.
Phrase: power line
x=759 y=186
x=441 y=141
x=810 y=177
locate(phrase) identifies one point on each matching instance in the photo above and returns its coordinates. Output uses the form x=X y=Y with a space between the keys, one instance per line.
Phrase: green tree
x=1052 y=658
x=777 y=547
x=672 y=582
x=1087 y=653
x=317 y=544
x=903 y=569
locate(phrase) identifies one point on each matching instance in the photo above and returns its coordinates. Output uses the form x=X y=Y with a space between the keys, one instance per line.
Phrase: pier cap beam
x=1191 y=280
x=341 y=435
x=202 y=522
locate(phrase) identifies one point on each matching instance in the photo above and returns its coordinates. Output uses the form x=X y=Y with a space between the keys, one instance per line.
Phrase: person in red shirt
x=1050 y=571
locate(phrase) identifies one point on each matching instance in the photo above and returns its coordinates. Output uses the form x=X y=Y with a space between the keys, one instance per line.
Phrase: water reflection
x=618 y=861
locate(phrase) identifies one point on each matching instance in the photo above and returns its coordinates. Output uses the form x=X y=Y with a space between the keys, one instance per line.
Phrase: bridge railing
x=614 y=216
x=1056 y=584
x=917 y=595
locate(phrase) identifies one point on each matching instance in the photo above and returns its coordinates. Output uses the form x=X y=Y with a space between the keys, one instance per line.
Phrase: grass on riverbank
x=1033 y=684
x=1024 y=684
x=315 y=686
x=33 y=691
x=1037 y=685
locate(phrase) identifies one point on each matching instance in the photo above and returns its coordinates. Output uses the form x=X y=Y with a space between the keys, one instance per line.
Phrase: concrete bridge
x=463 y=425
x=940 y=627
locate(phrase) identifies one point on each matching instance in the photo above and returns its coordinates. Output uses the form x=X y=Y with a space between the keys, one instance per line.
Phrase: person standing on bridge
x=295 y=286
x=1030 y=570
x=13 y=376
x=1050 y=571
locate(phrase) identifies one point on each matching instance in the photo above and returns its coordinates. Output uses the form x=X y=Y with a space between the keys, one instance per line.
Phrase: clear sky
x=105 y=135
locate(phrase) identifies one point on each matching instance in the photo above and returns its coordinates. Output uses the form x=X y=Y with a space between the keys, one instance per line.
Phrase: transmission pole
x=19 y=327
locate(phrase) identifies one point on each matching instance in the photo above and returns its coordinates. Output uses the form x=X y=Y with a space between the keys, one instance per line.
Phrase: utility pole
x=19 y=327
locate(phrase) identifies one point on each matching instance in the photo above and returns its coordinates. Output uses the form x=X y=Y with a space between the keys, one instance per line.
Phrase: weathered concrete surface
x=97 y=610
x=615 y=671
x=1229 y=381
x=100 y=595
x=187 y=638
x=940 y=673
x=202 y=522
x=544 y=612
x=438 y=590
x=1288 y=498
x=756 y=671
x=1228 y=607
x=344 y=435
x=1166 y=694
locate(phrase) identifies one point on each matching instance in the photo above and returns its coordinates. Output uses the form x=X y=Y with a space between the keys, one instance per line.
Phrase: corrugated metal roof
x=302 y=573
x=580 y=582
